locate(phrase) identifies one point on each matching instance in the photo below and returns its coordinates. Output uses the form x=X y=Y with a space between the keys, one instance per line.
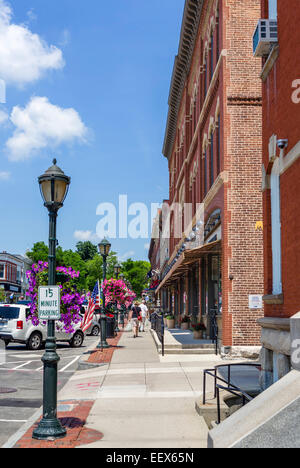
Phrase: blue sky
x=87 y=83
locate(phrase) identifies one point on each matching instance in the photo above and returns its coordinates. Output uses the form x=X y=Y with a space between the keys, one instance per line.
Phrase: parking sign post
x=54 y=187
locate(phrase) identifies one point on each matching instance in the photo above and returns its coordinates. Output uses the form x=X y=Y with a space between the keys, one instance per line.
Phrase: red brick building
x=280 y=75
x=214 y=147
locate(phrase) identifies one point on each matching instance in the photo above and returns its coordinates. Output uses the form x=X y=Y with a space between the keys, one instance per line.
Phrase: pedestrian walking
x=135 y=317
x=144 y=314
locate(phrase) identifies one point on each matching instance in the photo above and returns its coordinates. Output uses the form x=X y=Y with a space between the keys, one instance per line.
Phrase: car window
x=9 y=313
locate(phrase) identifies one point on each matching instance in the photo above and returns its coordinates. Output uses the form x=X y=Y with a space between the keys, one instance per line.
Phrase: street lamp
x=117 y=270
x=104 y=249
x=54 y=185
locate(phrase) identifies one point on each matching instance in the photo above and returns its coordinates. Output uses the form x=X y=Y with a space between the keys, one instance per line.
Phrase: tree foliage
x=136 y=273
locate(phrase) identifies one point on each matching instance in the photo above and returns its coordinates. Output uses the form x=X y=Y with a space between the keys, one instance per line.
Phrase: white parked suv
x=14 y=328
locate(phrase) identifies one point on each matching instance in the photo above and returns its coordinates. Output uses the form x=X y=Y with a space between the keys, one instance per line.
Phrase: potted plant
x=171 y=321
x=165 y=314
x=185 y=322
x=199 y=329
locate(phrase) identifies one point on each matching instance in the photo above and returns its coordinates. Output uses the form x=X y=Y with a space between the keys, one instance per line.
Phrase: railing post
x=204 y=388
x=219 y=405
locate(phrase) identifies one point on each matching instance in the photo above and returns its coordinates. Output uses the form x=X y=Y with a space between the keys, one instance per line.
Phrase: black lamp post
x=54 y=185
x=117 y=270
x=104 y=249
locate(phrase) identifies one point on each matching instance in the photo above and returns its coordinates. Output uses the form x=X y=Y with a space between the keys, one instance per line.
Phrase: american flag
x=94 y=301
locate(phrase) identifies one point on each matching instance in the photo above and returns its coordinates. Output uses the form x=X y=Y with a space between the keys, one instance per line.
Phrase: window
x=2 y=270
x=276 y=229
x=205 y=172
x=211 y=56
x=205 y=79
x=273 y=9
x=218 y=34
x=219 y=146
x=212 y=175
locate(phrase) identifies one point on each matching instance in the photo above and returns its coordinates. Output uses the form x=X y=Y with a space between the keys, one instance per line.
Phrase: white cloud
x=24 y=56
x=86 y=236
x=127 y=255
x=4 y=176
x=3 y=117
x=40 y=125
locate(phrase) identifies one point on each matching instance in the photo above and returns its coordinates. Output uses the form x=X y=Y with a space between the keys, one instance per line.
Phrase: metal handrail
x=157 y=324
x=230 y=387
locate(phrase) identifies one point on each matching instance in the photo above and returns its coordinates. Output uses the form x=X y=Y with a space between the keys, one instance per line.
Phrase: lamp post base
x=49 y=429
x=103 y=345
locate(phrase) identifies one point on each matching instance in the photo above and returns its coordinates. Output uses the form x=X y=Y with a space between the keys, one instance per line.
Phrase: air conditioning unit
x=265 y=36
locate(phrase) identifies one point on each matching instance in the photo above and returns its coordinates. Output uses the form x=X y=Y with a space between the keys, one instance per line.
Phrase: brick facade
x=281 y=118
x=214 y=146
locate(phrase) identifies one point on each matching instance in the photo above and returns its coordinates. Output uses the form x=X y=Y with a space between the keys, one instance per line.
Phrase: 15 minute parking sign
x=49 y=303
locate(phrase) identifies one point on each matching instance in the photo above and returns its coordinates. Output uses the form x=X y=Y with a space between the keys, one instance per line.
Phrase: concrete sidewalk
x=142 y=400
x=138 y=400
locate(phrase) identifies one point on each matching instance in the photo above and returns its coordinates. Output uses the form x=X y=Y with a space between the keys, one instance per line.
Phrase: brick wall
x=281 y=117
x=242 y=134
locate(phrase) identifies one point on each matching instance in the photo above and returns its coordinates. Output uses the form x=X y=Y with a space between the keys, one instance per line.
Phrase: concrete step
x=185 y=351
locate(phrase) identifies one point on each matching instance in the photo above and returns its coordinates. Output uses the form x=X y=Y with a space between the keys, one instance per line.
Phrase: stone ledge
x=273 y=299
x=275 y=323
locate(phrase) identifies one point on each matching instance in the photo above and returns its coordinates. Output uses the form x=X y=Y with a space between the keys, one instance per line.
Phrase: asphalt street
x=21 y=382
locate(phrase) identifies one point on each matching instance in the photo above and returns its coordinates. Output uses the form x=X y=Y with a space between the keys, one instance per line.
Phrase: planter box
x=185 y=326
x=171 y=323
x=198 y=335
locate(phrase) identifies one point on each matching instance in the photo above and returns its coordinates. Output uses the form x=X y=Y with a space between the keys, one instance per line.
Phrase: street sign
x=49 y=303
x=255 y=302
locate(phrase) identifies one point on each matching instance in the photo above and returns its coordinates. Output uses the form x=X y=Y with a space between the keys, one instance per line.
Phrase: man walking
x=144 y=314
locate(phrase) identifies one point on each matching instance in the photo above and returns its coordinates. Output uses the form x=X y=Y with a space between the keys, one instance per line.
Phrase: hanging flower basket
x=71 y=299
x=116 y=291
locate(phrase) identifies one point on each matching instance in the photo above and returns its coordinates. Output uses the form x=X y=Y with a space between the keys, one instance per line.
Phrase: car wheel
x=35 y=342
x=95 y=331
x=77 y=340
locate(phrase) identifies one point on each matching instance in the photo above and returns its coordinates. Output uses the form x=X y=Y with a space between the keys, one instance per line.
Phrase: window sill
x=270 y=63
x=273 y=299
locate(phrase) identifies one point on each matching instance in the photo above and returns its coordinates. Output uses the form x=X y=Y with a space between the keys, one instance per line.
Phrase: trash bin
x=110 y=327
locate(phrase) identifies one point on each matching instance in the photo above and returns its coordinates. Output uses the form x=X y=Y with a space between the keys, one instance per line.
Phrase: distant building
x=281 y=189
x=13 y=278
x=213 y=144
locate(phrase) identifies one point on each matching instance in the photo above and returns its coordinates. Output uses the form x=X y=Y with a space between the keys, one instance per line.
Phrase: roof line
x=189 y=29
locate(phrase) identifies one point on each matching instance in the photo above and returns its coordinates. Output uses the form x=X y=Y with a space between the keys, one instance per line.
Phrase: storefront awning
x=187 y=259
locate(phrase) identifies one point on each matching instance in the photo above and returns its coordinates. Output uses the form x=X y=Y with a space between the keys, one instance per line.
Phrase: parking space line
x=22 y=365
x=70 y=364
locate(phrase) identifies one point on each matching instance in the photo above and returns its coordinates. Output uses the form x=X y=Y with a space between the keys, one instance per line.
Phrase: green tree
x=39 y=252
x=2 y=295
x=136 y=273
x=86 y=250
x=95 y=269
